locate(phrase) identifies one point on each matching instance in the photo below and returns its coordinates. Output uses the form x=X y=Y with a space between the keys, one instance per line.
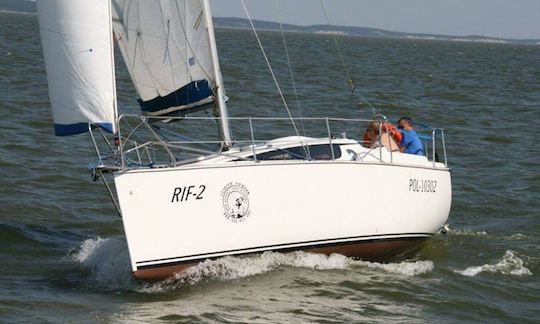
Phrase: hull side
x=178 y=217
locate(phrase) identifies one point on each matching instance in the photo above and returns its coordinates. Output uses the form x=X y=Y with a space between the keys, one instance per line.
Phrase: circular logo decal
x=235 y=197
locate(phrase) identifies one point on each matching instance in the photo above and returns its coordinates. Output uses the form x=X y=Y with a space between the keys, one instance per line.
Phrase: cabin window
x=317 y=152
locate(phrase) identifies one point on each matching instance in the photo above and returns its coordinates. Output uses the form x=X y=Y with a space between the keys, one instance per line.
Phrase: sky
x=517 y=19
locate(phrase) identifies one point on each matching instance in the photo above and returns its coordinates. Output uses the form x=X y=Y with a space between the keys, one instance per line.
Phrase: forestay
x=166 y=47
x=77 y=47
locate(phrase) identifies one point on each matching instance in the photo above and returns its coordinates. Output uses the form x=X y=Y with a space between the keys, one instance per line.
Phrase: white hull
x=294 y=205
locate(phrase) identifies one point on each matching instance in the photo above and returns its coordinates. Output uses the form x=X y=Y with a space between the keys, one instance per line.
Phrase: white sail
x=78 y=51
x=166 y=47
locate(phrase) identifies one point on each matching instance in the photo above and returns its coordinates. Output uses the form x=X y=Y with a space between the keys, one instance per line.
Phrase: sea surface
x=63 y=255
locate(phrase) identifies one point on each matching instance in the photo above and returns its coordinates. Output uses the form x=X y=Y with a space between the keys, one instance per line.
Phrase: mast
x=221 y=103
x=113 y=70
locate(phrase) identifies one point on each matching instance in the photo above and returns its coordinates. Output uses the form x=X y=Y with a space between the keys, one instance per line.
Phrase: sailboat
x=181 y=203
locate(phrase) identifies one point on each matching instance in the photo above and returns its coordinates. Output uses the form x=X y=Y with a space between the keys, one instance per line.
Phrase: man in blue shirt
x=411 y=143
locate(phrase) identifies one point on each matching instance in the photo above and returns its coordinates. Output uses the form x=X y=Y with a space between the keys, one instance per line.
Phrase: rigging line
x=278 y=9
x=270 y=68
x=340 y=55
x=344 y=66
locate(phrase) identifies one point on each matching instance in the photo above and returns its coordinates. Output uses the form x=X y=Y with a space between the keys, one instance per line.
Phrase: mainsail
x=167 y=50
x=77 y=47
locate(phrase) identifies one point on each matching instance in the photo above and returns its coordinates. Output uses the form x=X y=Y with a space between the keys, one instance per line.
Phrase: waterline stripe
x=279 y=247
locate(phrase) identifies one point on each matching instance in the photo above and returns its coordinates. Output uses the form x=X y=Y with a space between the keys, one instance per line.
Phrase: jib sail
x=78 y=51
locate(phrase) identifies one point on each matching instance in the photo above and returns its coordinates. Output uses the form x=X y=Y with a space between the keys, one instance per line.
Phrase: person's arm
x=404 y=142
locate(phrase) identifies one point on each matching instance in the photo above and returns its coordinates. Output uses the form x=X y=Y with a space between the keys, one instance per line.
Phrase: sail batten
x=77 y=47
x=166 y=49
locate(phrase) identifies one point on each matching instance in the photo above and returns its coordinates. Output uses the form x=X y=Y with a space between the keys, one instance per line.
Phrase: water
x=63 y=252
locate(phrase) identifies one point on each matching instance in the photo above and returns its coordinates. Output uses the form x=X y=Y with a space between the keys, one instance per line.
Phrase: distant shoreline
x=351 y=31
x=455 y=39
x=242 y=23
x=17 y=12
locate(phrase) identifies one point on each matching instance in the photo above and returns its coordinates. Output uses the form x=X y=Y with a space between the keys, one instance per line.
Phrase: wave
x=15 y=236
x=107 y=263
x=405 y=268
x=233 y=268
x=33 y=239
x=467 y=232
x=518 y=237
x=509 y=264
